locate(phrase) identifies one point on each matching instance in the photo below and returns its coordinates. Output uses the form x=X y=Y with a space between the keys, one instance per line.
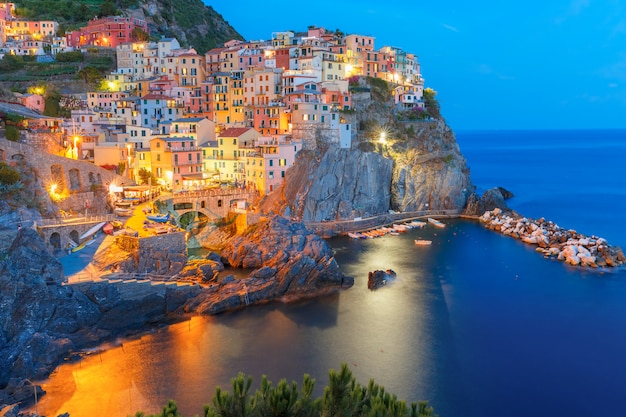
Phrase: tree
x=146 y=177
x=90 y=75
x=8 y=176
x=140 y=35
x=11 y=63
x=12 y=133
x=343 y=397
x=431 y=103
x=107 y=8
x=52 y=99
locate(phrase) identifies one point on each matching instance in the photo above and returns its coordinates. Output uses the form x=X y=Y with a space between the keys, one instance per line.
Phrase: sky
x=534 y=64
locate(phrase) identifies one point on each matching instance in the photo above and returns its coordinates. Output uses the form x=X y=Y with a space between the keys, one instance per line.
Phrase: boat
x=123 y=212
x=79 y=247
x=436 y=223
x=159 y=218
x=91 y=232
x=417 y=223
x=422 y=242
x=355 y=235
x=400 y=228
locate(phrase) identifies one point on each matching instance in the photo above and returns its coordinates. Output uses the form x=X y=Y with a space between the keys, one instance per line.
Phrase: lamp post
x=129 y=161
x=76 y=140
x=35 y=392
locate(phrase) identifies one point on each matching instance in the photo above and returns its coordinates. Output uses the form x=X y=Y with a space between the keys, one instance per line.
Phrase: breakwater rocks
x=553 y=241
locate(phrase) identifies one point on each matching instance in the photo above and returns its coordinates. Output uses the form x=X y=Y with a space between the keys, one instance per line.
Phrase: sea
x=478 y=324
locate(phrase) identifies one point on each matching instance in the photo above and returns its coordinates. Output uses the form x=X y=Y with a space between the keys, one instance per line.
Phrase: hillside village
x=237 y=114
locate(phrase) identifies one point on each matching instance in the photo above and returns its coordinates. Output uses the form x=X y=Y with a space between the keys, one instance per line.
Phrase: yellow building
x=230 y=163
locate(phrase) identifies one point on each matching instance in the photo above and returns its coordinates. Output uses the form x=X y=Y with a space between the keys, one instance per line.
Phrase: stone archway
x=55 y=240
x=75 y=236
x=57 y=176
x=74 y=179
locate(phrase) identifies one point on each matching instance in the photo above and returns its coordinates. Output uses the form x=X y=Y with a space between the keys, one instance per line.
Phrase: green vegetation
x=73 y=56
x=12 y=133
x=8 y=176
x=203 y=27
x=343 y=397
x=146 y=177
x=380 y=89
x=432 y=105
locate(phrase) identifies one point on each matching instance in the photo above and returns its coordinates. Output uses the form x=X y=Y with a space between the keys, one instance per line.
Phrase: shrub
x=12 y=133
x=73 y=56
x=8 y=176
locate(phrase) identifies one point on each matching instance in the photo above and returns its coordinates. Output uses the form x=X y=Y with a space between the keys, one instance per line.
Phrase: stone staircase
x=138 y=289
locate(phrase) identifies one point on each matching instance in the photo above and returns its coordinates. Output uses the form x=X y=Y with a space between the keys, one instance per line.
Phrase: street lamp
x=129 y=161
x=76 y=140
x=35 y=391
x=382 y=138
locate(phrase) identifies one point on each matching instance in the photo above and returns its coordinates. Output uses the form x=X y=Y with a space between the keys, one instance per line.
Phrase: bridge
x=59 y=234
x=214 y=203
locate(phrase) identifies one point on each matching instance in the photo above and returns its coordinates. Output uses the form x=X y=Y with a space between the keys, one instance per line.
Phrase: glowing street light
x=75 y=150
x=382 y=138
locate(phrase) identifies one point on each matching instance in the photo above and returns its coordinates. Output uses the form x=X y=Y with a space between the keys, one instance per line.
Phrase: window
x=282 y=174
x=158 y=157
x=234 y=141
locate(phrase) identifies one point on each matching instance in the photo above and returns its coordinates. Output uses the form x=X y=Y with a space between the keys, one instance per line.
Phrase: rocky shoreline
x=44 y=322
x=552 y=241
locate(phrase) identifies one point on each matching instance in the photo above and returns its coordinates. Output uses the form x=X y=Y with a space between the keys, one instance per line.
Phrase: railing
x=355 y=225
x=73 y=219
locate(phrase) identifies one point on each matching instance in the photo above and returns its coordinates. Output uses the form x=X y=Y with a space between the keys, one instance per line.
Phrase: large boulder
x=491 y=199
x=289 y=262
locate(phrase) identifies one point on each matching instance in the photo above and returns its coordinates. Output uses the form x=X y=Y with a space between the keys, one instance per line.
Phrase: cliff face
x=419 y=167
x=431 y=173
x=192 y=22
x=341 y=183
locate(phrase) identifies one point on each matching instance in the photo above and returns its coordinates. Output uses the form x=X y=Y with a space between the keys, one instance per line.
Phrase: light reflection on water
x=386 y=334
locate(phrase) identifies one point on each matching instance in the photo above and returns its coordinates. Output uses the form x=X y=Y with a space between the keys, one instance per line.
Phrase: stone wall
x=164 y=255
x=69 y=174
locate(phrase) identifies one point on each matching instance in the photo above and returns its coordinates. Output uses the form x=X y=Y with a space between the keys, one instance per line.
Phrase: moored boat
x=436 y=223
x=163 y=218
x=422 y=242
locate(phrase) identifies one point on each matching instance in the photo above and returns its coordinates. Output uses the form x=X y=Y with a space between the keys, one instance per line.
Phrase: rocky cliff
x=192 y=22
x=288 y=261
x=42 y=321
x=418 y=166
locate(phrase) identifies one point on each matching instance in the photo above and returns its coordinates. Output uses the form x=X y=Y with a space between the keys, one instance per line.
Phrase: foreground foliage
x=343 y=397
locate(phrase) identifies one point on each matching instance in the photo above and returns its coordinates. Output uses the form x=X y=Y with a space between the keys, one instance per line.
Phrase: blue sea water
x=478 y=323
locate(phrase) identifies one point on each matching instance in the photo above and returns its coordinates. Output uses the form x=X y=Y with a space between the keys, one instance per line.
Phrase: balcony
x=181 y=149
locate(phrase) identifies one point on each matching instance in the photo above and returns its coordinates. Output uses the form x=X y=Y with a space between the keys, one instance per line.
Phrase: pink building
x=107 y=31
x=7 y=11
x=272 y=119
x=33 y=102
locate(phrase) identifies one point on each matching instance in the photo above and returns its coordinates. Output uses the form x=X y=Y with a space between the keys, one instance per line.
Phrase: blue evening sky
x=548 y=64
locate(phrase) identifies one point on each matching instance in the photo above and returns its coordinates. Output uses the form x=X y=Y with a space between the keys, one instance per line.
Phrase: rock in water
x=379 y=278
